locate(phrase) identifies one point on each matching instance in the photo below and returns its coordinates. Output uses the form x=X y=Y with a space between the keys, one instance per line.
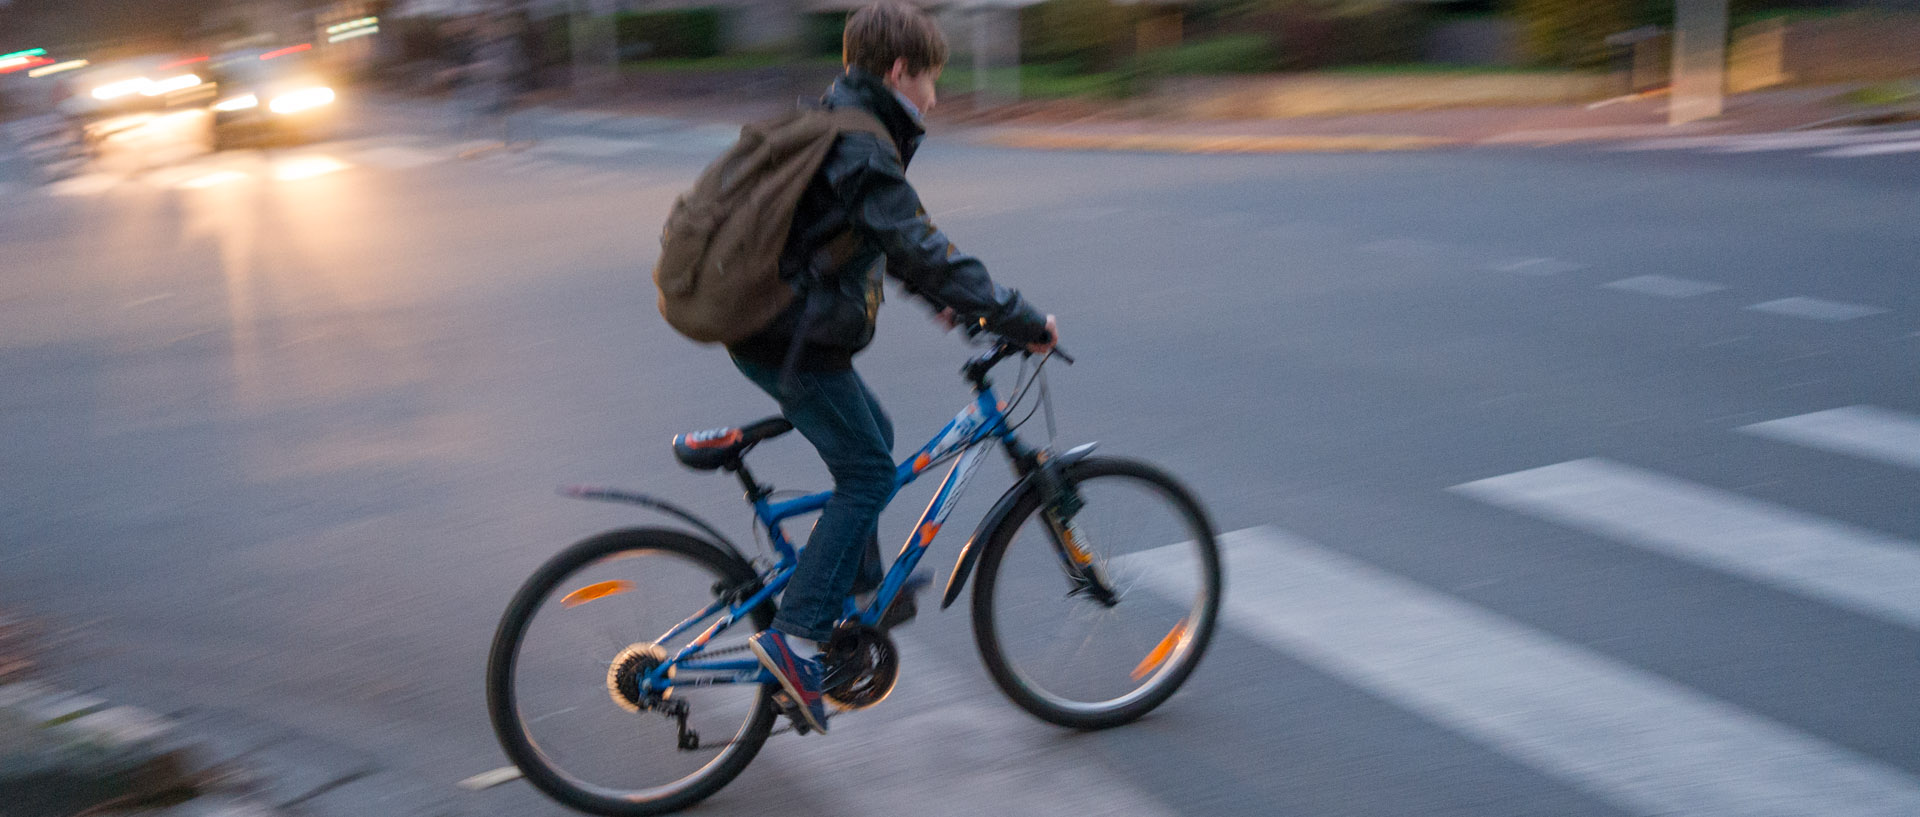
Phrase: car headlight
x=304 y=99
x=170 y=84
x=238 y=103
x=115 y=90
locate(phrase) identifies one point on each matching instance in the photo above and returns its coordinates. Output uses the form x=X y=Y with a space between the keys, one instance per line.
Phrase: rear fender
x=970 y=553
x=718 y=539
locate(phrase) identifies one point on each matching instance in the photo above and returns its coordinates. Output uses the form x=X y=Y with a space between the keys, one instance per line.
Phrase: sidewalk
x=64 y=753
x=1628 y=118
x=1080 y=125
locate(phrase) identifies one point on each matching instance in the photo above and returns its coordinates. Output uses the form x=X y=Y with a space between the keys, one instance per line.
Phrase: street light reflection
x=307 y=167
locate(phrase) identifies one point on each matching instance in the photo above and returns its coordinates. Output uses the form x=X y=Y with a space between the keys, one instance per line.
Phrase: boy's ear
x=897 y=72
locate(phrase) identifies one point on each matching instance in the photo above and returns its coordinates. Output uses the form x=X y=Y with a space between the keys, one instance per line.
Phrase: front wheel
x=1091 y=611
x=562 y=680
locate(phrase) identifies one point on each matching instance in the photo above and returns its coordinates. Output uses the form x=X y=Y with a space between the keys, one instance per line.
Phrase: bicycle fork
x=1085 y=575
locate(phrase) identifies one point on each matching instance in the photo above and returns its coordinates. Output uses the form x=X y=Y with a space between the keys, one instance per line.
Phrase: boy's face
x=917 y=88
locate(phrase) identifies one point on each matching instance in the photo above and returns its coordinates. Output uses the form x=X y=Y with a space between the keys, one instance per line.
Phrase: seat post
x=755 y=491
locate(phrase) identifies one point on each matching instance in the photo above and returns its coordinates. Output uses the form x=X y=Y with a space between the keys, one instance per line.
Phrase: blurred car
x=263 y=97
x=107 y=98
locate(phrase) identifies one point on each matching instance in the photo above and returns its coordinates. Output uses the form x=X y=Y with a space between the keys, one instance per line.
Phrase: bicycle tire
x=516 y=739
x=1168 y=678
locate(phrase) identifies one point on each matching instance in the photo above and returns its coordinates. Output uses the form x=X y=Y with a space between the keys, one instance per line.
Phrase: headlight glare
x=301 y=100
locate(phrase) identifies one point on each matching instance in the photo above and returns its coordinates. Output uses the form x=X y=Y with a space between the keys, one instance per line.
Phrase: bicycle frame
x=983 y=420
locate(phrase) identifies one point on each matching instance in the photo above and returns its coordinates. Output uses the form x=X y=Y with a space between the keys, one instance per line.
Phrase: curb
x=1200 y=143
x=63 y=753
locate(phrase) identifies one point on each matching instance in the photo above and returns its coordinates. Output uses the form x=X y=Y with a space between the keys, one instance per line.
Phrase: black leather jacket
x=862 y=187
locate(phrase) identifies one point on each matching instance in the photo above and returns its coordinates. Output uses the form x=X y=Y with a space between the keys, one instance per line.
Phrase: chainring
x=623 y=677
x=862 y=666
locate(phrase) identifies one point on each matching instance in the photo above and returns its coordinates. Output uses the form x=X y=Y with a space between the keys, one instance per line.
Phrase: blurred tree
x=1093 y=35
x=1572 y=33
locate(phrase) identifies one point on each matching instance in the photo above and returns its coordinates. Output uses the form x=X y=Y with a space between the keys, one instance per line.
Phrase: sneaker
x=800 y=677
x=906 y=603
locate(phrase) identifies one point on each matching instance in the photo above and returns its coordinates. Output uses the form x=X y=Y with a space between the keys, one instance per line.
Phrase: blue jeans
x=836 y=412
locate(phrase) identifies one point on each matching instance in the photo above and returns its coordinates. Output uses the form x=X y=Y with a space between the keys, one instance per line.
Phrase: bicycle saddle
x=715 y=448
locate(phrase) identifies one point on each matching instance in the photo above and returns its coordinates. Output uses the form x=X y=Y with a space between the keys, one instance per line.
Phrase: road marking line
x=1538 y=266
x=1629 y=736
x=1878 y=149
x=393 y=157
x=1864 y=431
x=487 y=780
x=1800 y=141
x=1870 y=573
x=1664 y=287
x=943 y=737
x=1816 y=309
x=589 y=146
x=147 y=300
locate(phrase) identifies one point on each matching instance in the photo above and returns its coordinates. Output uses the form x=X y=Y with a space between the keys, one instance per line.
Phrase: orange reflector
x=927 y=532
x=1160 y=651
x=592 y=592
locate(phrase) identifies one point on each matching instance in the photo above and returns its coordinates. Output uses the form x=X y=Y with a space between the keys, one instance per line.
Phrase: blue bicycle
x=619 y=684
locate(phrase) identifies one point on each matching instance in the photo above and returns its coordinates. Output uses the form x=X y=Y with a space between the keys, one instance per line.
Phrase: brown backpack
x=719 y=268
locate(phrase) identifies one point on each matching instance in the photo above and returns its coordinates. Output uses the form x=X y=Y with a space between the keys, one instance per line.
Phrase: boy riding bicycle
x=804 y=359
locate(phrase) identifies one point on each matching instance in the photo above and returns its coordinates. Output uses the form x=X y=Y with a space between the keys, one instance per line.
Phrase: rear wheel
x=562 y=680
x=1091 y=616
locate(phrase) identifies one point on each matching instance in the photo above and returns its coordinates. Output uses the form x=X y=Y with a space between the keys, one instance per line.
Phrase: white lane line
x=1537 y=266
x=1816 y=309
x=147 y=300
x=1800 y=141
x=1645 y=743
x=1864 y=431
x=1870 y=573
x=489 y=779
x=946 y=737
x=1664 y=287
x=1879 y=149
x=393 y=157
x=589 y=146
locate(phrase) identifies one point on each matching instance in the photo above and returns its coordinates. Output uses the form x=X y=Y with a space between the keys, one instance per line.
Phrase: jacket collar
x=863 y=90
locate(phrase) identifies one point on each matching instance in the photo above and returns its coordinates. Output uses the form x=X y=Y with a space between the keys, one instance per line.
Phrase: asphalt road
x=1513 y=528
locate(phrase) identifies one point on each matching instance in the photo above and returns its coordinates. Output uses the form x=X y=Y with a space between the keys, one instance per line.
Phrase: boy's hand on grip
x=1053 y=337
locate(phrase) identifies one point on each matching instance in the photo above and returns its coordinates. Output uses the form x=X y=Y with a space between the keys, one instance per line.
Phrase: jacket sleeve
x=883 y=207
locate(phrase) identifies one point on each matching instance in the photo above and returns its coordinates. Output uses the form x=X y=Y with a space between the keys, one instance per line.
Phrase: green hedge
x=1230 y=54
x=653 y=35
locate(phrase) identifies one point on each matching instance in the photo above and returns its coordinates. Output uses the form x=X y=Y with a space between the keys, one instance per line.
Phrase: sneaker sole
x=767 y=662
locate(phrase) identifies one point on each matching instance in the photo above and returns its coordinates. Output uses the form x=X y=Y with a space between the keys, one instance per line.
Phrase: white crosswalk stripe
x=1867 y=572
x=1636 y=739
x=943 y=737
x=1864 y=431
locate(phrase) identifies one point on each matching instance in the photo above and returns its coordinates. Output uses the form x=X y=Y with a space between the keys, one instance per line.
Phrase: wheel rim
x=1077 y=655
x=582 y=732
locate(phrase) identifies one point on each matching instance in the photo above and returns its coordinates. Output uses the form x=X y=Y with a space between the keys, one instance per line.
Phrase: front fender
x=970 y=553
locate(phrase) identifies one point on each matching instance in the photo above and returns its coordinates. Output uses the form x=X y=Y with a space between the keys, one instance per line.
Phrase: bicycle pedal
x=785 y=705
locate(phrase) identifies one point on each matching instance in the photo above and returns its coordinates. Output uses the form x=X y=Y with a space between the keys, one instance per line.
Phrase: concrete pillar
x=1699 y=60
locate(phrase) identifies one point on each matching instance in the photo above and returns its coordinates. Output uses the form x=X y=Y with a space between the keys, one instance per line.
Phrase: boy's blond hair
x=890 y=30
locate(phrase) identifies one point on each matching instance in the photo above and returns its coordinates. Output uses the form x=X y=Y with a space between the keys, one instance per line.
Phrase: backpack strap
x=837 y=250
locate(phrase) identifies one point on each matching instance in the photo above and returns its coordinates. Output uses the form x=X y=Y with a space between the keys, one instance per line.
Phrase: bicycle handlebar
x=1000 y=342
